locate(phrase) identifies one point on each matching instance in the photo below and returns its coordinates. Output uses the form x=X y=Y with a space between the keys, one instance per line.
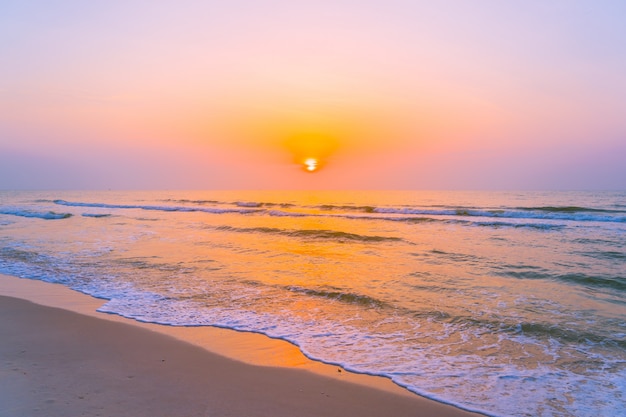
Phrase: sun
x=309 y=132
x=311 y=150
x=310 y=164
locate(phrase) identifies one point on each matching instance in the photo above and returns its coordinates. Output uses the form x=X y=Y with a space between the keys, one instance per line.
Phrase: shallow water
x=506 y=303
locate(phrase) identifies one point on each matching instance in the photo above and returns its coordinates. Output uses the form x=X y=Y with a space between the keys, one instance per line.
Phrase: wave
x=544 y=213
x=236 y=203
x=331 y=207
x=590 y=281
x=261 y=204
x=338 y=295
x=499 y=224
x=430 y=212
x=613 y=282
x=336 y=235
x=97 y=215
x=567 y=335
x=211 y=210
x=18 y=254
x=185 y=201
x=493 y=224
x=248 y=204
x=400 y=214
x=455 y=257
x=279 y=213
x=570 y=209
x=538 y=330
x=47 y=215
x=410 y=219
x=611 y=255
x=312 y=234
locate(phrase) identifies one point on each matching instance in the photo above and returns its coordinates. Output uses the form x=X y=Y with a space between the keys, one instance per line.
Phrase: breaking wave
x=212 y=210
x=47 y=215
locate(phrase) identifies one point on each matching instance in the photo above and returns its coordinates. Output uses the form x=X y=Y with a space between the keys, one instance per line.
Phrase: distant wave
x=185 y=201
x=545 y=213
x=261 y=204
x=97 y=215
x=330 y=207
x=410 y=219
x=496 y=224
x=280 y=213
x=236 y=203
x=499 y=224
x=156 y=208
x=570 y=209
x=248 y=204
x=607 y=255
x=312 y=234
x=453 y=256
x=460 y=215
x=421 y=211
x=48 y=215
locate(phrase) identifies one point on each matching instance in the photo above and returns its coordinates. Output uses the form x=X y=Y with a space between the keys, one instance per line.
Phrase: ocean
x=507 y=303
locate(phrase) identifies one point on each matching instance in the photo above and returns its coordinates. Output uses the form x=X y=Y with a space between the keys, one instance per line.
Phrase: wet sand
x=73 y=361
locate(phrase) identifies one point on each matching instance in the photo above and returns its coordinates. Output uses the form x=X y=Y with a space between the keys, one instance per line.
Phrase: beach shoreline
x=258 y=375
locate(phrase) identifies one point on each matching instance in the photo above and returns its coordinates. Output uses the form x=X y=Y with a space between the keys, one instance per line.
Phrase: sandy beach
x=58 y=362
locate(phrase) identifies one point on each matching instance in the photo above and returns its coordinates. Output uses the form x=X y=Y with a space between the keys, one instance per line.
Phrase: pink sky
x=216 y=95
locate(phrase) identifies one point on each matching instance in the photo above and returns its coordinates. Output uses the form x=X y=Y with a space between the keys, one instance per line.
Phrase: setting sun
x=299 y=126
x=313 y=150
x=310 y=164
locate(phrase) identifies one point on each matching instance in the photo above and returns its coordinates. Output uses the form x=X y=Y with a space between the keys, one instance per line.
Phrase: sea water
x=507 y=303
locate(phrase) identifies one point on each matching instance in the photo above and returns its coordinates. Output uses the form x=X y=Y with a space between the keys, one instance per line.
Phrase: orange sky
x=383 y=94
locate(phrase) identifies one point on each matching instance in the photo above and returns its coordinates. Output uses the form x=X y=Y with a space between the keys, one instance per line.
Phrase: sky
x=319 y=94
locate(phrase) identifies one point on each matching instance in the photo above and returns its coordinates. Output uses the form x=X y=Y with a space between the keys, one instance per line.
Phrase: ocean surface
x=507 y=303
